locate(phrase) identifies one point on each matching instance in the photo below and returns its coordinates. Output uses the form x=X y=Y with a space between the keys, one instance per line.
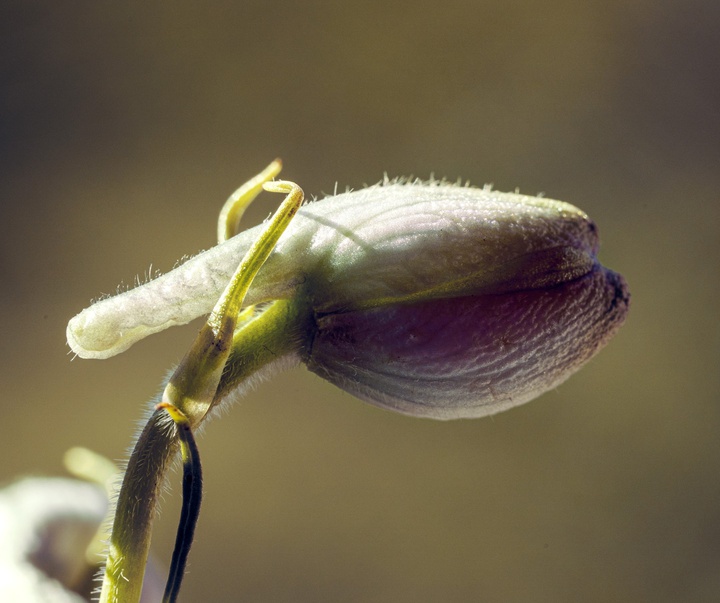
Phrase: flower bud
x=450 y=302
x=434 y=300
x=471 y=355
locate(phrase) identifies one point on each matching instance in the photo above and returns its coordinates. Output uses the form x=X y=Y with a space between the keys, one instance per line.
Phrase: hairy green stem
x=130 y=540
x=274 y=334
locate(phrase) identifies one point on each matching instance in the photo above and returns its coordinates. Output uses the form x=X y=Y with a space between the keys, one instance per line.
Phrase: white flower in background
x=47 y=527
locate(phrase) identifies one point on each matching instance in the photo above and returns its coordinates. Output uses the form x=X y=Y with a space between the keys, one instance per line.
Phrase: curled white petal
x=112 y=325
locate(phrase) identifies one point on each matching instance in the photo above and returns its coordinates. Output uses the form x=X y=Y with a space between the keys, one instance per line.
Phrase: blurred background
x=125 y=126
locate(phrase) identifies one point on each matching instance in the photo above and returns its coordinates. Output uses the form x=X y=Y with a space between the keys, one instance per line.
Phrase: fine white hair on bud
x=431 y=299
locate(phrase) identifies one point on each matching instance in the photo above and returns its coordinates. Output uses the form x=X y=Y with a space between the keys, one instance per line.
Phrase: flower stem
x=275 y=334
x=130 y=540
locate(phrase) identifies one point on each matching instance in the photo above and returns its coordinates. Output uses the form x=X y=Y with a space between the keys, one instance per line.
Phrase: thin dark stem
x=192 y=498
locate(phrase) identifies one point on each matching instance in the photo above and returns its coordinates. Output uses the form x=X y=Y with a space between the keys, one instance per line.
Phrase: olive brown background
x=124 y=127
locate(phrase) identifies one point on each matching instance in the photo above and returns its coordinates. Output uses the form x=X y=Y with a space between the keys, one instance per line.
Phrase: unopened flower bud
x=451 y=302
x=431 y=299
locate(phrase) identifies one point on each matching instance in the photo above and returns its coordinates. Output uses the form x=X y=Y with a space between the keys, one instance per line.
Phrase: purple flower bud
x=480 y=300
x=434 y=300
x=472 y=355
